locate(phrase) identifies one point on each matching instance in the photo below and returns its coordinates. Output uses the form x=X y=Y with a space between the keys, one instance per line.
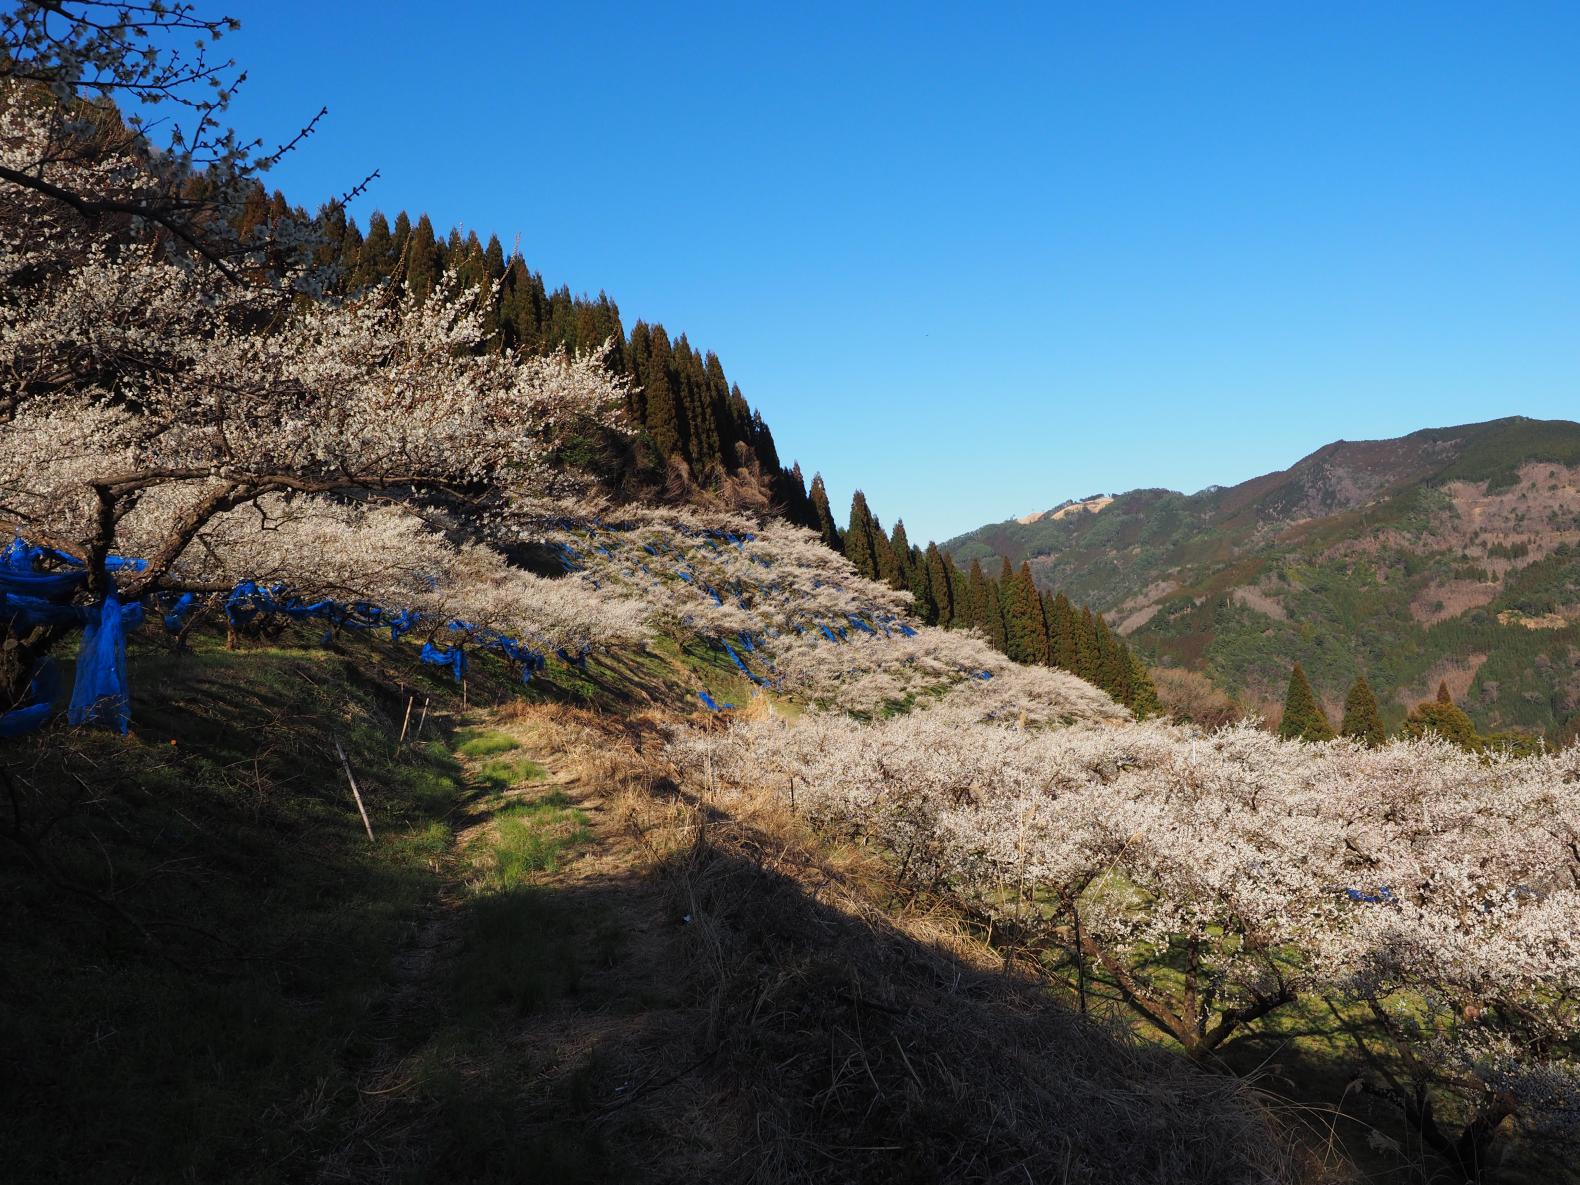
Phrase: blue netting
x=99 y=695
x=576 y=660
x=736 y=659
x=1383 y=896
x=175 y=616
x=400 y=622
x=30 y=598
x=709 y=703
x=42 y=692
x=444 y=656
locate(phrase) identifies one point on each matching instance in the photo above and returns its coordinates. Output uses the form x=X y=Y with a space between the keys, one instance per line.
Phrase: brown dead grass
x=769 y=1011
x=1541 y=510
x=1458 y=673
x=854 y=1036
x=1449 y=598
x=1254 y=597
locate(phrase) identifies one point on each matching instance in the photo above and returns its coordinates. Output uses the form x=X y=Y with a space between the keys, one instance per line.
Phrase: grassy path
x=529 y=1006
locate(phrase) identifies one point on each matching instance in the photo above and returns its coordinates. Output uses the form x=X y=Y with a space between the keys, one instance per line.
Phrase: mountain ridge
x=1408 y=558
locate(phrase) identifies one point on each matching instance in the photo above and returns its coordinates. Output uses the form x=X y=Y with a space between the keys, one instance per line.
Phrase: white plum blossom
x=1431 y=896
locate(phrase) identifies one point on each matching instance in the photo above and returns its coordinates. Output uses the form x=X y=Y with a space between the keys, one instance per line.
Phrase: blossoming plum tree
x=1426 y=899
x=223 y=428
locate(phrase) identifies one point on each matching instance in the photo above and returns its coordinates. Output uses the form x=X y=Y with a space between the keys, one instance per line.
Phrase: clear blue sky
x=981 y=259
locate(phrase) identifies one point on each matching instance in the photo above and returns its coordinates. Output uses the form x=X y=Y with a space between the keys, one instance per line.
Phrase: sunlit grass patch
x=503 y=774
x=484 y=742
x=532 y=838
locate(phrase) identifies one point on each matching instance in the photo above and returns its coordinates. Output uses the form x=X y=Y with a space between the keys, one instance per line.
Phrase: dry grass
x=742 y=999
x=844 y=1035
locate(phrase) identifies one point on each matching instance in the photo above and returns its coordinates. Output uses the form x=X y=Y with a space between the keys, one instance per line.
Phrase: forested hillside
x=1450 y=554
x=696 y=437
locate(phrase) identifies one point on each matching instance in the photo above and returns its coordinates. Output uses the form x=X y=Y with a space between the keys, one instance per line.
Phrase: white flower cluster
x=820 y=631
x=1214 y=878
x=225 y=431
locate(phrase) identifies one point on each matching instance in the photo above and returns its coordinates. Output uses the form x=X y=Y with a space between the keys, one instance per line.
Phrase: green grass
x=532 y=838
x=502 y=775
x=484 y=743
x=497 y=1108
x=192 y=949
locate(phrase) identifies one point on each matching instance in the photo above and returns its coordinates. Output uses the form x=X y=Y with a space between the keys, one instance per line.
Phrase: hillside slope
x=556 y=958
x=1451 y=553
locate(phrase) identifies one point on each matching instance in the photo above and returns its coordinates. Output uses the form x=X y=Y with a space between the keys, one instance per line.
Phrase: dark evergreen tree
x=975 y=603
x=959 y=594
x=1144 y=700
x=861 y=545
x=941 y=587
x=1362 y=720
x=1113 y=664
x=376 y=261
x=1006 y=577
x=1087 y=657
x=790 y=491
x=1304 y=719
x=1434 y=717
x=1061 y=632
x=1025 y=630
x=423 y=264
x=825 y=515
x=894 y=558
x=664 y=418
x=922 y=603
x=890 y=564
x=494 y=258
x=399 y=235
x=991 y=620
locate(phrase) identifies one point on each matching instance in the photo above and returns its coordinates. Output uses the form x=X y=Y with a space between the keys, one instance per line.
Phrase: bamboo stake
x=417 y=736
x=402 y=739
x=355 y=793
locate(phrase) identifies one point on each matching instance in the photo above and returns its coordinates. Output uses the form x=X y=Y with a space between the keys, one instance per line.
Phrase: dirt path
x=549 y=997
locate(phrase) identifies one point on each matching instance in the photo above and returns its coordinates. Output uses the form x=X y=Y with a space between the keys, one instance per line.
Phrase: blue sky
x=978 y=261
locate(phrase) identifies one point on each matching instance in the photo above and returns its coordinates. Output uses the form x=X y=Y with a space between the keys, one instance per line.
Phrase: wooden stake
x=355 y=793
x=417 y=736
x=402 y=739
x=463 y=693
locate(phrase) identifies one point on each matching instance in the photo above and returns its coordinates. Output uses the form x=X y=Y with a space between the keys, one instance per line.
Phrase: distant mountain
x=1451 y=553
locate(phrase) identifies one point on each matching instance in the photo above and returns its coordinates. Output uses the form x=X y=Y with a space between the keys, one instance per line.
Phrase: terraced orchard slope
x=1451 y=553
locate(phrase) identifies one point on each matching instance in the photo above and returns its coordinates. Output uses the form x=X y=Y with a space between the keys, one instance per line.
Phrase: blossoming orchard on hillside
x=1427 y=898
x=191 y=432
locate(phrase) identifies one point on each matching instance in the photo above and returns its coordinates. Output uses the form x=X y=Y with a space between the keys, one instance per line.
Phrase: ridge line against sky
x=981 y=264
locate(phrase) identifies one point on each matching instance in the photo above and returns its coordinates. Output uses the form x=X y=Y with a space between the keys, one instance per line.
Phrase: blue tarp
x=736 y=659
